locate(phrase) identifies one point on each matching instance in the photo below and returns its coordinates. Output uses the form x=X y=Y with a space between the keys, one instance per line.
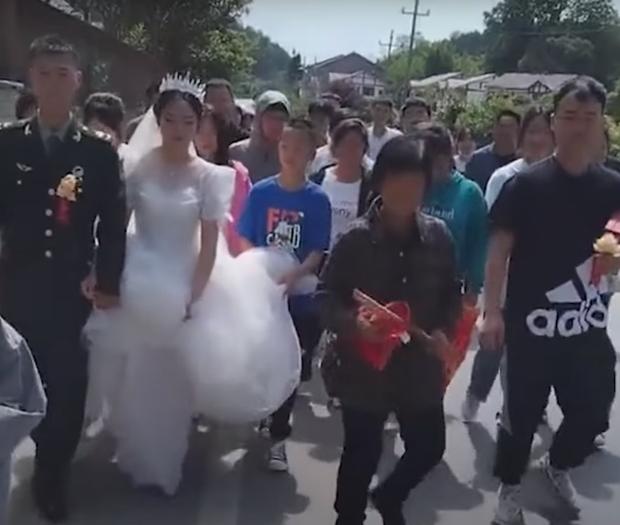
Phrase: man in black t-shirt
x=555 y=324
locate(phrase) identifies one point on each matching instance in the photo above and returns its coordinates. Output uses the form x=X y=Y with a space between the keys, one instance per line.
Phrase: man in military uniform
x=57 y=179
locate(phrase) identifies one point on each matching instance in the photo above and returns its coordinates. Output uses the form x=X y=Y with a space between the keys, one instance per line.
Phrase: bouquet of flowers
x=606 y=250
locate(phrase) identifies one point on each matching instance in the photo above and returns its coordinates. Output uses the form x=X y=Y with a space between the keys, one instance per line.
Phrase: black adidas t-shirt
x=556 y=218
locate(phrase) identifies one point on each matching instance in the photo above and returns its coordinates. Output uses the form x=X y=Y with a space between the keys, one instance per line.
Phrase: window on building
x=368 y=91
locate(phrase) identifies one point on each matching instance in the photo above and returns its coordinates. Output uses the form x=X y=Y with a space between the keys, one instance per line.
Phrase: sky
x=320 y=29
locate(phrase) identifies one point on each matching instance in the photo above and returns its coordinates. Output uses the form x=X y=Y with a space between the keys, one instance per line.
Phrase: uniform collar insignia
x=23 y=167
x=28 y=130
x=77 y=136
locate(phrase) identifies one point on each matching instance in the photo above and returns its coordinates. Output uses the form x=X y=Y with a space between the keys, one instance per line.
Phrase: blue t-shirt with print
x=297 y=221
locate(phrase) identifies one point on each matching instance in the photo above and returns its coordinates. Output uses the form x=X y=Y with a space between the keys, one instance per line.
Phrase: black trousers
x=47 y=309
x=424 y=435
x=308 y=332
x=583 y=377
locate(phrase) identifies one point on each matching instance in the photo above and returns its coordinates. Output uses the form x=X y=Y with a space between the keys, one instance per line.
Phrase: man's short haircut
x=219 y=83
x=303 y=125
x=585 y=89
x=416 y=102
x=508 y=113
x=340 y=115
x=25 y=101
x=348 y=126
x=382 y=101
x=108 y=109
x=321 y=107
x=401 y=156
x=51 y=45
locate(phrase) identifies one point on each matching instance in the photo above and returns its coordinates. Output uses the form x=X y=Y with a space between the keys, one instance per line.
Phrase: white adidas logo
x=580 y=307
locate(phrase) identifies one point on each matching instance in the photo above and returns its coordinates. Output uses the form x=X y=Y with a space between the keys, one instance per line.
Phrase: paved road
x=225 y=483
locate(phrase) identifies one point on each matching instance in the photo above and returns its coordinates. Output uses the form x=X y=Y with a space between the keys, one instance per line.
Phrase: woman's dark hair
x=463 y=133
x=107 y=109
x=221 y=156
x=585 y=89
x=400 y=156
x=167 y=97
x=25 y=102
x=349 y=126
x=438 y=139
x=509 y=113
x=530 y=116
x=416 y=102
x=51 y=45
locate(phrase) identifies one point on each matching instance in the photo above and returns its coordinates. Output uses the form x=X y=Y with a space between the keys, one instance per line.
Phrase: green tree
x=440 y=58
x=270 y=59
x=184 y=34
x=563 y=26
x=295 y=70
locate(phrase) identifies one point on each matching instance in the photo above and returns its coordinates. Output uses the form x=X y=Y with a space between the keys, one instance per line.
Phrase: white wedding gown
x=236 y=360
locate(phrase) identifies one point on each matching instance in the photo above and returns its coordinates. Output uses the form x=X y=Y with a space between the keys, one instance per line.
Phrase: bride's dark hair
x=167 y=97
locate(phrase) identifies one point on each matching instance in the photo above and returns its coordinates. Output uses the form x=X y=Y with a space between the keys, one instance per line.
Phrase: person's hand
x=440 y=344
x=88 y=287
x=492 y=331
x=104 y=301
x=608 y=264
x=367 y=325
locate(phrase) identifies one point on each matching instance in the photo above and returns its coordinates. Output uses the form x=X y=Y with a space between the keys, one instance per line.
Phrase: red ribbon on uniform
x=63 y=211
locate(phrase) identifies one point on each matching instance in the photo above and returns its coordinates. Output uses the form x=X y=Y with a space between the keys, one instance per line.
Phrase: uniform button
x=48 y=254
x=19 y=182
x=49 y=212
x=401 y=254
x=48 y=233
x=404 y=280
x=51 y=192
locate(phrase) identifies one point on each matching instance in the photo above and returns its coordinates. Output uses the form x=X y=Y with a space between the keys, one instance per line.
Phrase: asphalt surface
x=226 y=483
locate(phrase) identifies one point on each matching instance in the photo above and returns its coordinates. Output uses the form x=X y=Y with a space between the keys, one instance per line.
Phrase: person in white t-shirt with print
x=379 y=134
x=346 y=183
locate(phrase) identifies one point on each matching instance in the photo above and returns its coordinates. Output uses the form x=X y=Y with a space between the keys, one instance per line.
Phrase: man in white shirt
x=379 y=134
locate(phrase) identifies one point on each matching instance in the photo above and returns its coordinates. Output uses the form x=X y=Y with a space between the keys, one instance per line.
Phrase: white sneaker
x=277 y=458
x=561 y=483
x=470 y=408
x=600 y=441
x=509 y=510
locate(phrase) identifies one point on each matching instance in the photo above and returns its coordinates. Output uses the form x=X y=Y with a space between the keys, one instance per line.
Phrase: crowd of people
x=182 y=266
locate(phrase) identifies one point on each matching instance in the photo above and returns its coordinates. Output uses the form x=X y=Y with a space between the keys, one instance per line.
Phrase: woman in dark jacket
x=347 y=182
x=393 y=253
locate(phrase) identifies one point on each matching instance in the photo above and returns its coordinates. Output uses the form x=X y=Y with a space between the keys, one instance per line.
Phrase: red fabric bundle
x=460 y=342
x=391 y=329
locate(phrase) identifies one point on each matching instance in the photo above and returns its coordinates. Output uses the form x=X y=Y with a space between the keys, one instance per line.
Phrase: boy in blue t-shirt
x=292 y=213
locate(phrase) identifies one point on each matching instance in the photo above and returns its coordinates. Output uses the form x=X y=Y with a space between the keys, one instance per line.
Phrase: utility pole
x=414 y=22
x=389 y=45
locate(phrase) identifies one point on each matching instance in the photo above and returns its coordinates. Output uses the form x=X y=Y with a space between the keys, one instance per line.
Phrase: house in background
x=366 y=76
x=108 y=64
x=472 y=90
x=531 y=85
x=9 y=91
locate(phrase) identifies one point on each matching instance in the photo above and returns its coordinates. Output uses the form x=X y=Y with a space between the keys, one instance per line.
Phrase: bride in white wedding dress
x=197 y=331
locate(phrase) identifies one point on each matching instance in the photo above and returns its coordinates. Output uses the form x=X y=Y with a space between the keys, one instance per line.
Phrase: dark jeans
x=424 y=435
x=308 y=331
x=486 y=367
x=584 y=380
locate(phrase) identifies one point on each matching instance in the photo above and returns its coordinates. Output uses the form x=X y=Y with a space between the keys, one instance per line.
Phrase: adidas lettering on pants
x=582 y=375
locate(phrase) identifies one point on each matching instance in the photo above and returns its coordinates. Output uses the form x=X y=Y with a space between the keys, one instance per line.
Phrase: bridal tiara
x=185 y=83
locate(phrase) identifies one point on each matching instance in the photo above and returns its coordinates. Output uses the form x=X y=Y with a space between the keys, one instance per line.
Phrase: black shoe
x=391 y=514
x=50 y=497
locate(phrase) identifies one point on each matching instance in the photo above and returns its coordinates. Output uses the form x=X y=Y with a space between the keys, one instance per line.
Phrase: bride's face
x=178 y=124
